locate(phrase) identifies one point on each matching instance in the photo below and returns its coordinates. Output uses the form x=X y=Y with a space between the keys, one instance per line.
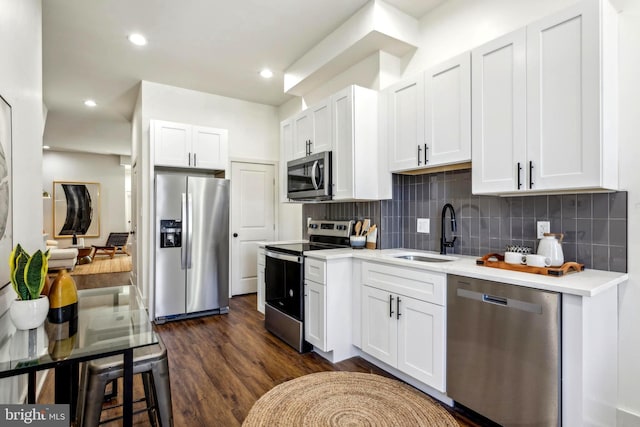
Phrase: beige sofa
x=61 y=258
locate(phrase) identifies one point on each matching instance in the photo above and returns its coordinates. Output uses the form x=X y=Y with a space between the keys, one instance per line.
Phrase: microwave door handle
x=313 y=174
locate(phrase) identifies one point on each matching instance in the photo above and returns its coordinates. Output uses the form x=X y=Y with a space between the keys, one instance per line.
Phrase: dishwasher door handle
x=494 y=299
x=501 y=301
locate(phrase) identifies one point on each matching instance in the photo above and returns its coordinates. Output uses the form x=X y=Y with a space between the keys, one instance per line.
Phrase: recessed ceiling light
x=137 y=39
x=266 y=73
x=90 y=103
x=45 y=147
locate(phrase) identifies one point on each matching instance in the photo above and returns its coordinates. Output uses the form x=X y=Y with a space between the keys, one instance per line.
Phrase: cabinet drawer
x=315 y=270
x=412 y=282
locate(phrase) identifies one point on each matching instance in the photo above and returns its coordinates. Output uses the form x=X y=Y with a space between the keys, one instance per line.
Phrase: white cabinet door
x=379 y=327
x=447 y=95
x=563 y=99
x=261 y=289
x=171 y=143
x=321 y=139
x=343 y=160
x=315 y=325
x=209 y=148
x=421 y=336
x=499 y=114
x=405 y=103
x=302 y=134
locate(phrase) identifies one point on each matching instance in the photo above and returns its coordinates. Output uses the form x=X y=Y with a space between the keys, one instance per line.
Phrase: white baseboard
x=627 y=419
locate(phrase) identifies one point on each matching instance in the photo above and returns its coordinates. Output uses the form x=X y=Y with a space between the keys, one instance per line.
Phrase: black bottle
x=74 y=239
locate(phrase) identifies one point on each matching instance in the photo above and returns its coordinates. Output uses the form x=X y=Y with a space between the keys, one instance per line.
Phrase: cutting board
x=496 y=260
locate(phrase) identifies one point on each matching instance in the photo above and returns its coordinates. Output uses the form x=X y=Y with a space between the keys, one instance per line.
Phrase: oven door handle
x=284 y=257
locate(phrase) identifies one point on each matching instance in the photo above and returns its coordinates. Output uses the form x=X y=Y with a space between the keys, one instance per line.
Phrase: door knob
x=235 y=234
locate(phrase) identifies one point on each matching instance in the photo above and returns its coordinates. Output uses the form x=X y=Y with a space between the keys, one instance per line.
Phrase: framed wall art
x=6 y=221
x=76 y=209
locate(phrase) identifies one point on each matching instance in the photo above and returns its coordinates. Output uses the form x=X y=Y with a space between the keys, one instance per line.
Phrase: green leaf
x=18 y=277
x=34 y=274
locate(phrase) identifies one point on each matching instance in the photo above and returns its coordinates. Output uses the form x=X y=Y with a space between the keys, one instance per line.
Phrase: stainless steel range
x=284 y=279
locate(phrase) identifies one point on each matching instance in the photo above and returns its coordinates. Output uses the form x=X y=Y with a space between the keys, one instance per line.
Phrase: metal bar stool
x=149 y=361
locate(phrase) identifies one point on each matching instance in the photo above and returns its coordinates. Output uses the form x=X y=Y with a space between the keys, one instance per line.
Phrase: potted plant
x=28 y=277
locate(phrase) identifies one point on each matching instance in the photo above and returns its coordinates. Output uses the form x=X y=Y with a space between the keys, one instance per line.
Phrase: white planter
x=29 y=314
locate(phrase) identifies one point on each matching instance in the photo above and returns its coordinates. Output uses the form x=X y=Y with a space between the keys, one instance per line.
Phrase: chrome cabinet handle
x=425 y=154
x=398 y=308
x=195 y=162
x=419 y=151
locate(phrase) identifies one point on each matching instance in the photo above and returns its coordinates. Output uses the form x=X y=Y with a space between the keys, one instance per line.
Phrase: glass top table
x=110 y=321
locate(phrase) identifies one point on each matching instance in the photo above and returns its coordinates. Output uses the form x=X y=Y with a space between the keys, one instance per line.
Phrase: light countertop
x=586 y=283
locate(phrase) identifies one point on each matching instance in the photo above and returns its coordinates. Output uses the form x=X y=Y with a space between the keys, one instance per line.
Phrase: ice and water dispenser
x=170 y=233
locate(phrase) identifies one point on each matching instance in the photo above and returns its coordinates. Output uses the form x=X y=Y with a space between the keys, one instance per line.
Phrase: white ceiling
x=215 y=46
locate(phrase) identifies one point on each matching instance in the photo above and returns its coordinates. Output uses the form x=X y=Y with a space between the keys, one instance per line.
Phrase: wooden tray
x=496 y=260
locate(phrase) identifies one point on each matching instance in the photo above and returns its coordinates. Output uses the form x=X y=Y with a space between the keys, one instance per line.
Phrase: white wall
x=459 y=25
x=629 y=297
x=253 y=128
x=85 y=167
x=21 y=86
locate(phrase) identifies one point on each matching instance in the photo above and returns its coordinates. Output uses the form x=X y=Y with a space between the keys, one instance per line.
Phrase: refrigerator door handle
x=189 y=229
x=183 y=249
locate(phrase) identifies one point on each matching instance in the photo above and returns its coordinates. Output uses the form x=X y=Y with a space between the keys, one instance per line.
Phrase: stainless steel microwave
x=309 y=178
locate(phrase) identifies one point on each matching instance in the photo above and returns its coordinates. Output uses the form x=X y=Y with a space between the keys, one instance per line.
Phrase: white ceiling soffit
x=376 y=26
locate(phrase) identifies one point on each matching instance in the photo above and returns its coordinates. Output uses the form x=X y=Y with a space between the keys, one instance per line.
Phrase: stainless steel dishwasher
x=503 y=351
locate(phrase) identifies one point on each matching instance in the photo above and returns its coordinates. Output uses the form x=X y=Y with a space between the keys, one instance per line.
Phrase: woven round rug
x=346 y=399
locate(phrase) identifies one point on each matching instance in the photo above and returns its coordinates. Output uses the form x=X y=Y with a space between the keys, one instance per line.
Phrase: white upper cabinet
x=183 y=145
x=355 y=140
x=499 y=114
x=209 y=148
x=312 y=131
x=302 y=134
x=171 y=143
x=346 y=124
x=429 y=117
x=568 y=64
x=447 y=96
x=321 y=139
x=405 y=115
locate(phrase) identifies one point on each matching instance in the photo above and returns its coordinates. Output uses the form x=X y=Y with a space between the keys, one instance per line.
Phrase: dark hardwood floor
x=220 y=365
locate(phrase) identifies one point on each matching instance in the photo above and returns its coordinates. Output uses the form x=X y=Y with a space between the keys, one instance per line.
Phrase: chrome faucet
x=444 y=243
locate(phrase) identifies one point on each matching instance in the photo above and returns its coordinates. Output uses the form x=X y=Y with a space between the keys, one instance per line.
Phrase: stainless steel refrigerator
x=192 y=246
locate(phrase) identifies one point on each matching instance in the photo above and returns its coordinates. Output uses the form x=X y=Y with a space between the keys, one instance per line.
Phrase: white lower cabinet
x=403 y=320
x=327 y=307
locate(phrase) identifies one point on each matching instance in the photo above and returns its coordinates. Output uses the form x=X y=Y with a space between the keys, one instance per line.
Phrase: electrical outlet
x=424 y=225
x=543 y=227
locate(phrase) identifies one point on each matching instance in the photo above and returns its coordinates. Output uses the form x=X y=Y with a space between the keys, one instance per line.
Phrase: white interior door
x=252 y=220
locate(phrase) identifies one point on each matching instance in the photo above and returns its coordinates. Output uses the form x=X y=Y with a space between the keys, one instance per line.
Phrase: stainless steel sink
x=423 y=258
